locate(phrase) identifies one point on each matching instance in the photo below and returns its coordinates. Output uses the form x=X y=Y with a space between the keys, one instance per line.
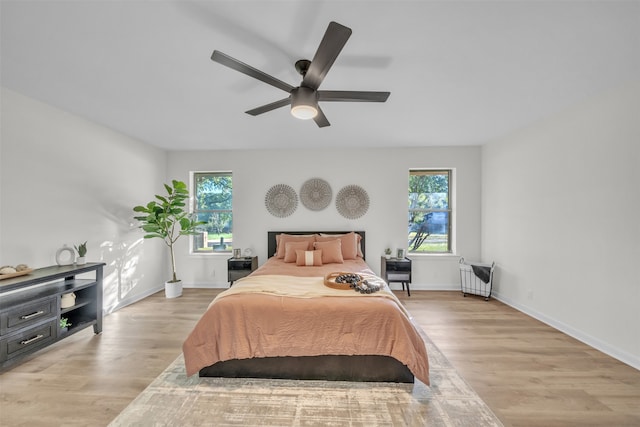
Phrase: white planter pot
x=173 y=289
x=68 y=300
x=81 y=260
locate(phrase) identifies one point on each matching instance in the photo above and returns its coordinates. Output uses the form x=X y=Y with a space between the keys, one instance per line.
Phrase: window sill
x=421 y=255
x=211 y=254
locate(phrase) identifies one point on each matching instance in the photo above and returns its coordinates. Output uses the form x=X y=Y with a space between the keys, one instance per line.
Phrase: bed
x=282 y=321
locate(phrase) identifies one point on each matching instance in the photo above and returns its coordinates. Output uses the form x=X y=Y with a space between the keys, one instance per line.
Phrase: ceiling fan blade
x=352 y=96
x=332 y=43
x=268 y=107
x=321 y=119
x=230 y=62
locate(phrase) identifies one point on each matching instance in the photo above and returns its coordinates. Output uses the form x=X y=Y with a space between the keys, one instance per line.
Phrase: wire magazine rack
x=476 y=278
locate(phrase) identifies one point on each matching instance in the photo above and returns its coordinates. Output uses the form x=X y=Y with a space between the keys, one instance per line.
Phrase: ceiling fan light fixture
x=304 y=112
x=304 y=103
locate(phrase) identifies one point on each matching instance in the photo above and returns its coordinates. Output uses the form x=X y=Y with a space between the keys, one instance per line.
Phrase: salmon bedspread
x=276 y=315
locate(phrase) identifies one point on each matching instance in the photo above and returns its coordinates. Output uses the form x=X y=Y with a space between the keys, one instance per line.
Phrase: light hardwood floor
x=528 y=373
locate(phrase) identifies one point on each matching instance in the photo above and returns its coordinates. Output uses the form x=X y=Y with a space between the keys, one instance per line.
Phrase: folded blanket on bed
x=297 y=287
x=290 y=286
x=304 y=287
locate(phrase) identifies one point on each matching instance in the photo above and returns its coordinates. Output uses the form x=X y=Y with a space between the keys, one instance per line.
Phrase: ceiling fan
x=304 y=98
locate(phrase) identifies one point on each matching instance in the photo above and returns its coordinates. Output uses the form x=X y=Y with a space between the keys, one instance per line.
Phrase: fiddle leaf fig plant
x=166 y=218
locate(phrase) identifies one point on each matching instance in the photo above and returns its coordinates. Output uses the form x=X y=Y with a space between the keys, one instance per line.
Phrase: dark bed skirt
x=332 y=368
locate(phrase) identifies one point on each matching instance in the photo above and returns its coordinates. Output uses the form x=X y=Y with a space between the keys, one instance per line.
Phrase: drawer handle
x=30 y=340
x=29 y=316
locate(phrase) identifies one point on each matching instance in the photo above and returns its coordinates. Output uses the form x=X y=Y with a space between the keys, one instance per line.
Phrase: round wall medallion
x=352 y=202
x=65 y=255
x=315 y=194
x=281 y=200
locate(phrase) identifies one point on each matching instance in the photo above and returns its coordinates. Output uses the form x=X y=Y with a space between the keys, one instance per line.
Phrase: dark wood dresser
x=30 y=308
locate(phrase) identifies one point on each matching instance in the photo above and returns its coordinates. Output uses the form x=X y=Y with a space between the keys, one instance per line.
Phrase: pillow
x=294 y=235
x=350 y=243
x=282 y=240
x=308 y=258
x=331 y=251
x=290 y=249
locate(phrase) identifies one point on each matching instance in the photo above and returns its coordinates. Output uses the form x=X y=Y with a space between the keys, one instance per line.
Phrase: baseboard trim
x=591 y=341
x=429 y=287
x=206 y=285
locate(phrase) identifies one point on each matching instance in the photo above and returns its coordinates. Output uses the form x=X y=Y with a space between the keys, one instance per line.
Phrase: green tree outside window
x=429 y=225
x=213 y=202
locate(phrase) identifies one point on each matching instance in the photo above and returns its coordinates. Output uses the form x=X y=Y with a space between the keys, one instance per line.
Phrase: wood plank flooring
x=528 y=373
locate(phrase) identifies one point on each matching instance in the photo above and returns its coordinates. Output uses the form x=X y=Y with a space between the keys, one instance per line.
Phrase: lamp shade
x=304 y=103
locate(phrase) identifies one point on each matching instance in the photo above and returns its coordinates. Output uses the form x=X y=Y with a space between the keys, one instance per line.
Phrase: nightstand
x=238 y=268
x=397 y=270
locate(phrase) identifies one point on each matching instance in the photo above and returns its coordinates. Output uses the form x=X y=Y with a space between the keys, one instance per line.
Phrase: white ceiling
x=459 y=72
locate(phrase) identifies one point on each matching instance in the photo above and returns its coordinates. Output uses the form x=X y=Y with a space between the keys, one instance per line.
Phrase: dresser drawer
x=29 y=340
x=240 y=264
x=403 y=266
x=27 y=314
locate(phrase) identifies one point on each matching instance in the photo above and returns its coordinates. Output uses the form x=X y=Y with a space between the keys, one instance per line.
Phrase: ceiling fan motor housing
x=304 y=102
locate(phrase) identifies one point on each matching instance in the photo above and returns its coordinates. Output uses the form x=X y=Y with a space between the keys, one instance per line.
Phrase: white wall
x=383 y=173
x=64 y=180
x=560 y=216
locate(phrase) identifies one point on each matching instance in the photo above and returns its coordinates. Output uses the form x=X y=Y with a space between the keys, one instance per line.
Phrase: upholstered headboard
x=271 y=239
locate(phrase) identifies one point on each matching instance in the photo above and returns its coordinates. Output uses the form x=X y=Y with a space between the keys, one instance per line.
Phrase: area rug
x=173 y=399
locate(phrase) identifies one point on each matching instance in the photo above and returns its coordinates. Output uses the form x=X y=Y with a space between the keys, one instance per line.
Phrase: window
x=429 y=211
x=212 y=202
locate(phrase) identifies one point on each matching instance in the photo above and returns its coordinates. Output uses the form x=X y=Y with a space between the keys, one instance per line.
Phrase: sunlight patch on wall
x=121 y=276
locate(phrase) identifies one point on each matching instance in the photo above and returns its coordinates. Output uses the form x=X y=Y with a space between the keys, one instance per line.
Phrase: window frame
x=195 y=211
x=450 y=210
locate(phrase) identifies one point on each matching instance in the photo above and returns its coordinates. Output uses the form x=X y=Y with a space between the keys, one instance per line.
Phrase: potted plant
x=82 y=251
x=64 y=324
x=387 y=253
x=166 y=218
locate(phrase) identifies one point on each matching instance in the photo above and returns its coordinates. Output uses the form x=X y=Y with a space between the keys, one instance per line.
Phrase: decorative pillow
x=308 y=258
x=282 y=240
x=331 y=251
x=350 y=243
x=290 y=249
